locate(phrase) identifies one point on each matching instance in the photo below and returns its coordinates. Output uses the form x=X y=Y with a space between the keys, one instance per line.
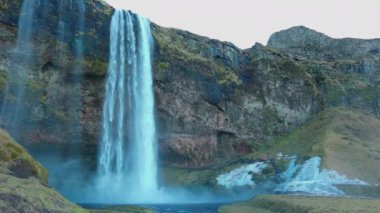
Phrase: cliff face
x=214 y=101
x=241 y=99
x=309 y=44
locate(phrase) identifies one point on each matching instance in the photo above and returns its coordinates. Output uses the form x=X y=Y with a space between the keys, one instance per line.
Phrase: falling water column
x=129 y=172
x=111 y=156
x=142 y=152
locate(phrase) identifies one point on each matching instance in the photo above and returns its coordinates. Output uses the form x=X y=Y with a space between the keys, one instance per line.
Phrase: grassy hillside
x=292 y=204
x=16 y=159
x=347 y=140
x=23 y=182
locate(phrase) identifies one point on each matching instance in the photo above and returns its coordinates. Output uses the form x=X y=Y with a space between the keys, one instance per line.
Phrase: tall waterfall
x=129 y=170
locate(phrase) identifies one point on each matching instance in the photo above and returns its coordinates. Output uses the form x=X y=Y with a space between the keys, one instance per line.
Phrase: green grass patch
x=291 y=204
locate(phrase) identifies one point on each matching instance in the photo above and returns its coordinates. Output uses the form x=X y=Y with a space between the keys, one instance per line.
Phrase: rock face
x=214 y=101
x=265 y=92
x=23 y=182
x=309 y=44
x=189 y=150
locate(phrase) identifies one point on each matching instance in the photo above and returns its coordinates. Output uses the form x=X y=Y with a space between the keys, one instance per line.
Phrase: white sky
x=244 y=22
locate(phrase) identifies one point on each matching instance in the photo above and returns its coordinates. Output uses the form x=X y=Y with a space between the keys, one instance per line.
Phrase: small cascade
x=241 y=176
x=129 y=173
x=306 y=178
x=310 y=179
x=21 y=60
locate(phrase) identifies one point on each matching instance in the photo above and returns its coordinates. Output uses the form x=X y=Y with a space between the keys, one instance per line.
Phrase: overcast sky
x=244 y=22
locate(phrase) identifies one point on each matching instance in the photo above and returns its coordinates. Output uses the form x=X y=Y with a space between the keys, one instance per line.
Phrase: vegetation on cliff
x=17 y=160
x=24 y=182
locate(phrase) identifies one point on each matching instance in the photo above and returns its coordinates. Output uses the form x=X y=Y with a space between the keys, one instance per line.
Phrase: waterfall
x=142 y=123
x=128 y=172
x=21 y=60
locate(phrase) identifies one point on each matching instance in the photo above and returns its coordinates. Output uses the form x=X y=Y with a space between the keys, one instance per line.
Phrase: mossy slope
x=292 y=204
x=29 y=195
x=347 y=140
x=17 y=160
x=23 y=182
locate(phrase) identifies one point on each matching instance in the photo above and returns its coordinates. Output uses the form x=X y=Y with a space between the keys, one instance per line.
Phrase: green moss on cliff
x=101 y=7
x=225 y=77
x=344 y=87
x=35 y=87
x=3 y=81
x=189 y=177
x=6 y=5
x=334 y=83
x=60 y=116
x=305 y=140
x=175 y=51
x=96 y=67
x=23 y=182
x=18 y=161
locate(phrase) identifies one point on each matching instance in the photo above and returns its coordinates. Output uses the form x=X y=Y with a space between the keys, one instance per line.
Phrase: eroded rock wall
x=214 y=101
